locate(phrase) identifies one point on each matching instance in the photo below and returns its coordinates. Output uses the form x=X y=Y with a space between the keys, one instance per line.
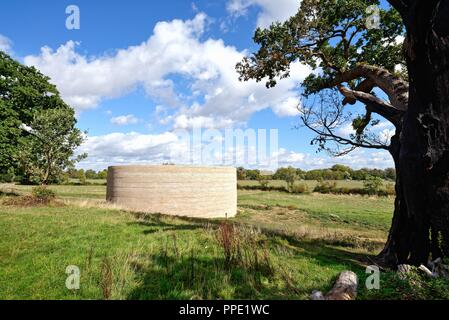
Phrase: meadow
x=285 y=246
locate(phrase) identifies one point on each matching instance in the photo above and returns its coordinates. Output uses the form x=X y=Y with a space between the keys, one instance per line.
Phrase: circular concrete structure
x=202 y=192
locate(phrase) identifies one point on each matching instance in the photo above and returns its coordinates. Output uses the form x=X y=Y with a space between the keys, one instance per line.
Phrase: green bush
x=325 y=187
x=299 y=188
x=43 y=194
x=372 y=185
x=390 y=189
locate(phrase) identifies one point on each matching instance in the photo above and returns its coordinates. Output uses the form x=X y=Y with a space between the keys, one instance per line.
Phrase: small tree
x=82 y=177
x=263 y=182
x=290 y=176
x=372 y=185
x=48 y=147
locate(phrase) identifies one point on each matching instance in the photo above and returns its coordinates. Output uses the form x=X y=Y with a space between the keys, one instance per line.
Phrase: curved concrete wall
x=203 y=192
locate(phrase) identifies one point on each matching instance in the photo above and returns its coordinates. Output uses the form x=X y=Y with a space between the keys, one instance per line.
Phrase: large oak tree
x=28 y=99
x=356 y=65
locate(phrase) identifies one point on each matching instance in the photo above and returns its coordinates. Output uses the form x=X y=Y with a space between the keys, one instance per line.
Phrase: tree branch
x=374 y=104
x=395 y=88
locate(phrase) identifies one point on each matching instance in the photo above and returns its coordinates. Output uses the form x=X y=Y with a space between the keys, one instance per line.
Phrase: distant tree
x=390 y=174
x=102 y=175
x=241 y=173
x=253 y=174
x=290 y=175
x=82 y=177
x=91 y=174
x=372 y=185
x=47 y=149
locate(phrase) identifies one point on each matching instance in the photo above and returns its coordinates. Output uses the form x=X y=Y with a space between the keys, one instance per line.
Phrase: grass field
x=288 y=246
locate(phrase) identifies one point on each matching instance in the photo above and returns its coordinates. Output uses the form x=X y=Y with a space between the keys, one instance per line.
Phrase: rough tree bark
x=421 y=221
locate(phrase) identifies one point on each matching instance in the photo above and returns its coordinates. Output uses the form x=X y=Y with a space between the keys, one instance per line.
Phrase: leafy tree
x=47 y=149
x=91 y=174
x=82 y=177
x=253 y=174
x=102 y=175
x=353 y=64
x=241 y=173
x=372 y=185
x=23 y=91
x=290 y=176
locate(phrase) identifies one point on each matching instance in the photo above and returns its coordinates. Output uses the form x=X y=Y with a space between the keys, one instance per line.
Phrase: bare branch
x=374 y=104
x=327 y=117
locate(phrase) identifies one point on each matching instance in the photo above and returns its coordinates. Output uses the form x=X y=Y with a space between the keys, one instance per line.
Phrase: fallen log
x=344 y=289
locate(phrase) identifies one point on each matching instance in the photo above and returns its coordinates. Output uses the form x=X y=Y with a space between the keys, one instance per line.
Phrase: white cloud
x=214 y=95
x=271 y=11
x=357 y=159
x=5 y=44
x=178 y=147
x=124 y=120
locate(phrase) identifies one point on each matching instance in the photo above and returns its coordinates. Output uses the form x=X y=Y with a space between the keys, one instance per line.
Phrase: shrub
x=325 y=187
x=263 y=184
x=390 y=189
x=244 y=247
x=372 y=185
x=43 y=194
x=258 y=187
x=299 y=188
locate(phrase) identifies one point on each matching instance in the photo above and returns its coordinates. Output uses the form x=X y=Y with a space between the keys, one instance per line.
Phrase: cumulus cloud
x=124 y=120
x=271 y=11
x=178 y=147
x=357 y=159
x=214 y=94
x=5 y=44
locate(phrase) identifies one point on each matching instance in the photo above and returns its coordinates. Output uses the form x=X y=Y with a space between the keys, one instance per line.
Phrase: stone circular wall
x=203 y=192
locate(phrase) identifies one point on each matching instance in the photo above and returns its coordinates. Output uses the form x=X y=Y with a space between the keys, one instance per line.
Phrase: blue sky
x=137 y=70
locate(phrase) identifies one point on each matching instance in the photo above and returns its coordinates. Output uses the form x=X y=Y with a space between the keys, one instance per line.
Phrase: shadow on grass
x=8 y=194
x=157 y=223
x=192 y=275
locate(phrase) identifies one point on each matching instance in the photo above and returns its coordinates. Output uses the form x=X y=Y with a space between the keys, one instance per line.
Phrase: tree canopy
x=26 y=96
x=47 y=150
x=331 y=37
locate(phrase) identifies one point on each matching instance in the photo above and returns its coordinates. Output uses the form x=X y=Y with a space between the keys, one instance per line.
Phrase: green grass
x=94 y=191
x=303 y=243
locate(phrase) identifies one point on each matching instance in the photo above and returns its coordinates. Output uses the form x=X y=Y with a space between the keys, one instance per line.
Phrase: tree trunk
x=421 y=221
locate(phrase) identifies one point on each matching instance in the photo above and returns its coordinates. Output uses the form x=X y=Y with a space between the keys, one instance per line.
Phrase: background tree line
x=337 y=172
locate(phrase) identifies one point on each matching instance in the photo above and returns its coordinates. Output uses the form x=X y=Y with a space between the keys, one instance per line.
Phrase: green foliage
x=253 y=174
x=43 y=194
x=241 y=173
x=23 y=91
x=8 y=176
x=263 y=183
x=326 y=34
x=82 y=177
x=330 y=37
x=289 y=175
x=337 y=172
x=299 y=188
x=325 y=187
x=48 y=148
x=372 y=185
